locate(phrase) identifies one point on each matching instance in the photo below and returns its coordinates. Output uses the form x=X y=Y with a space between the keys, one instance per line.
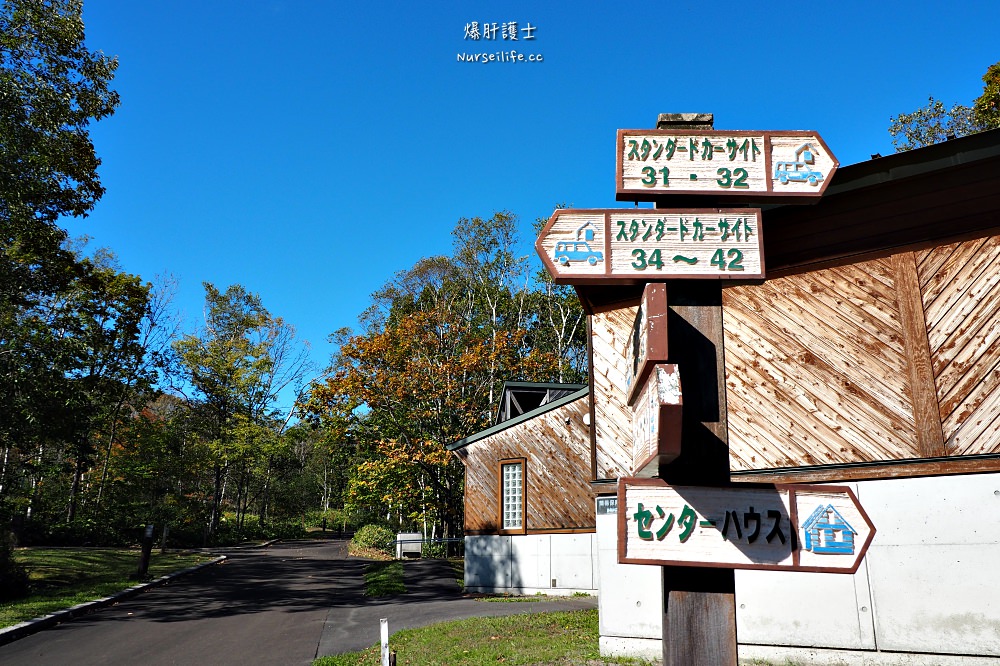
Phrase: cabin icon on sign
x=827 y=533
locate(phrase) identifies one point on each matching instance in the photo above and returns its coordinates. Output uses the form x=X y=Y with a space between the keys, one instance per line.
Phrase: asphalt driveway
x=286 y=604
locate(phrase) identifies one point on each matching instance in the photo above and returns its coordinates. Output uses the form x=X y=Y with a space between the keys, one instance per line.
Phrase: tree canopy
x=439 y=341
x=935 y=123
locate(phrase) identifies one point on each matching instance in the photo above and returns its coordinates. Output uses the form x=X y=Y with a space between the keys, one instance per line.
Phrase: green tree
x=238 y=364
x=935 y=123
x=51 y=88
x=986 y=108
x=439 y=341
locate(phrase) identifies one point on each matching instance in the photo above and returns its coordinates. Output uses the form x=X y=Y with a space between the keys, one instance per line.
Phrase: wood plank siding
x=889 y=359
x=961 y=297
x=611 y=332
x=555 y=446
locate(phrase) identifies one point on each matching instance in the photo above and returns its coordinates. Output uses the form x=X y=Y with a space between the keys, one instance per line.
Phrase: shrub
x=434 y=549
x=375 y=537
x=13 y=575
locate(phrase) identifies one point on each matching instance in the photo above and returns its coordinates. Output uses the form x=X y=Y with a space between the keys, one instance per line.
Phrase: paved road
x=283 y=605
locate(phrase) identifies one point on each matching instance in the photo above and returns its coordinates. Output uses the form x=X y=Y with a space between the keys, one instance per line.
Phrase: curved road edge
x=28 y=627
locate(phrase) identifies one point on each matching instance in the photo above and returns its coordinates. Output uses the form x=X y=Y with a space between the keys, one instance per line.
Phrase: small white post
x=384 y=622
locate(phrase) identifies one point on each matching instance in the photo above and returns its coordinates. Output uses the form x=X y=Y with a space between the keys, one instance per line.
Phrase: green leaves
x=934 y=123
x=51 y=88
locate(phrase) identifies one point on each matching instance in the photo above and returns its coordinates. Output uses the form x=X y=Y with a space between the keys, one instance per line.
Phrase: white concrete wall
x=929 y=585
x=558 y=564
x=630 y=603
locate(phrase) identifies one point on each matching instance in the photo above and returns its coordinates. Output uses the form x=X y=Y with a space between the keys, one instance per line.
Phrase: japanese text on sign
x=694 y=244
x=730 y=530
x=660 y=162
x=650 y=245
x=796 y=528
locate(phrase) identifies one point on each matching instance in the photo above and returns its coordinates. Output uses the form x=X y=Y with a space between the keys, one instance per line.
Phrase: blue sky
x=309 y=150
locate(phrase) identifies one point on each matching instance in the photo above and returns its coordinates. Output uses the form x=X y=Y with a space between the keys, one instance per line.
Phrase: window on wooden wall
x=512 y=498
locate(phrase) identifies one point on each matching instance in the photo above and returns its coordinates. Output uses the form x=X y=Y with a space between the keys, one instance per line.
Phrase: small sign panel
x=647 y=245
x=655 y=163
x=647 y=345
x=782 y=527
x=656 y=421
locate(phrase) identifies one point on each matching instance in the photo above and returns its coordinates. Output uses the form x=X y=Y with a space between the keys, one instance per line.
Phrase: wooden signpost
x=691 y=520
x=647 y=245
x=779 y=527
x=652 y=163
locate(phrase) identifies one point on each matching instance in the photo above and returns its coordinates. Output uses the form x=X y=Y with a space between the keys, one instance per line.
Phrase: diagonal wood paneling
x=816 y=371
x=610 y=333
x=556 y=445
x=961 y=298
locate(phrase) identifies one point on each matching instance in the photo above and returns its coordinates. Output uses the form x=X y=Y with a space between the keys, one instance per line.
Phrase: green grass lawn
x=64 y=577
x=566 y=638
x=384 y=579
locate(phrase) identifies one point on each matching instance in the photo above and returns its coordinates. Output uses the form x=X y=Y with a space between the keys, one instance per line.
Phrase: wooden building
x=529 y=507
x=870 y=356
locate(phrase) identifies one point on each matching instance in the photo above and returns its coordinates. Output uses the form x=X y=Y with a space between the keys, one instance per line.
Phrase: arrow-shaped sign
x=616 y=246
x=655 y=163
x=783 y=527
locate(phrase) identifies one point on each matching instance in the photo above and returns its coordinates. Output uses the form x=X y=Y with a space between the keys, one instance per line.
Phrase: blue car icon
x=576 y=251
x=799 y=172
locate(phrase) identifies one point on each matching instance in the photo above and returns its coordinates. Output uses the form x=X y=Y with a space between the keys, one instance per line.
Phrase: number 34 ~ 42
x=731 y=260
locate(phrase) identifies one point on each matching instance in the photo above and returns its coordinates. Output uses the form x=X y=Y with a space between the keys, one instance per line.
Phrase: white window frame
x=512 y=517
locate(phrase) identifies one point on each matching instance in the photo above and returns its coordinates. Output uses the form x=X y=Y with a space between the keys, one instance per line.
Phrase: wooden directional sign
x=656 y=421
x=614 y=246
x=748 y=165
x=647 y=345
x=782 y=527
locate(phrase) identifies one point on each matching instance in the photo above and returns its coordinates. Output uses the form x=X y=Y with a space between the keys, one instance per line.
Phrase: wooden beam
x=923 y=390
x=709 y=616
x=699 y=626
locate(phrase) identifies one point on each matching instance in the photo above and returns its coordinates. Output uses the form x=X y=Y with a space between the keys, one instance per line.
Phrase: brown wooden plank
x=819 y=300
x=951 y=465
x=612 y=416
x=804 y=437
x=933 y=284
x=930 y=260
x=966 y=291
x=849 y=426
x=556 y=449
x=854 y=284
x=821 y=333
x=814 y=337
x=764 y=442
x=972 y=418
x=926 y=411
x=700 y=629
x=966 y=359
x=975 y=336
x=939 y=310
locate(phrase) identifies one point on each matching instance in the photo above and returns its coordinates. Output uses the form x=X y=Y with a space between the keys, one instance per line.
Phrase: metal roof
x=500 y=427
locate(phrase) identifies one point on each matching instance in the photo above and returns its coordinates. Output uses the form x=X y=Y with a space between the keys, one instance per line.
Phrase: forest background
x=114 y=416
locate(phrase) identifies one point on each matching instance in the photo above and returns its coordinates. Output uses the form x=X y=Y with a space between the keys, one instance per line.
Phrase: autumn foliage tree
x=440 y=340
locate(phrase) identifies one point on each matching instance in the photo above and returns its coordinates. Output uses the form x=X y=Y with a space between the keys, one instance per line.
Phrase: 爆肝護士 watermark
x=507 y=31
